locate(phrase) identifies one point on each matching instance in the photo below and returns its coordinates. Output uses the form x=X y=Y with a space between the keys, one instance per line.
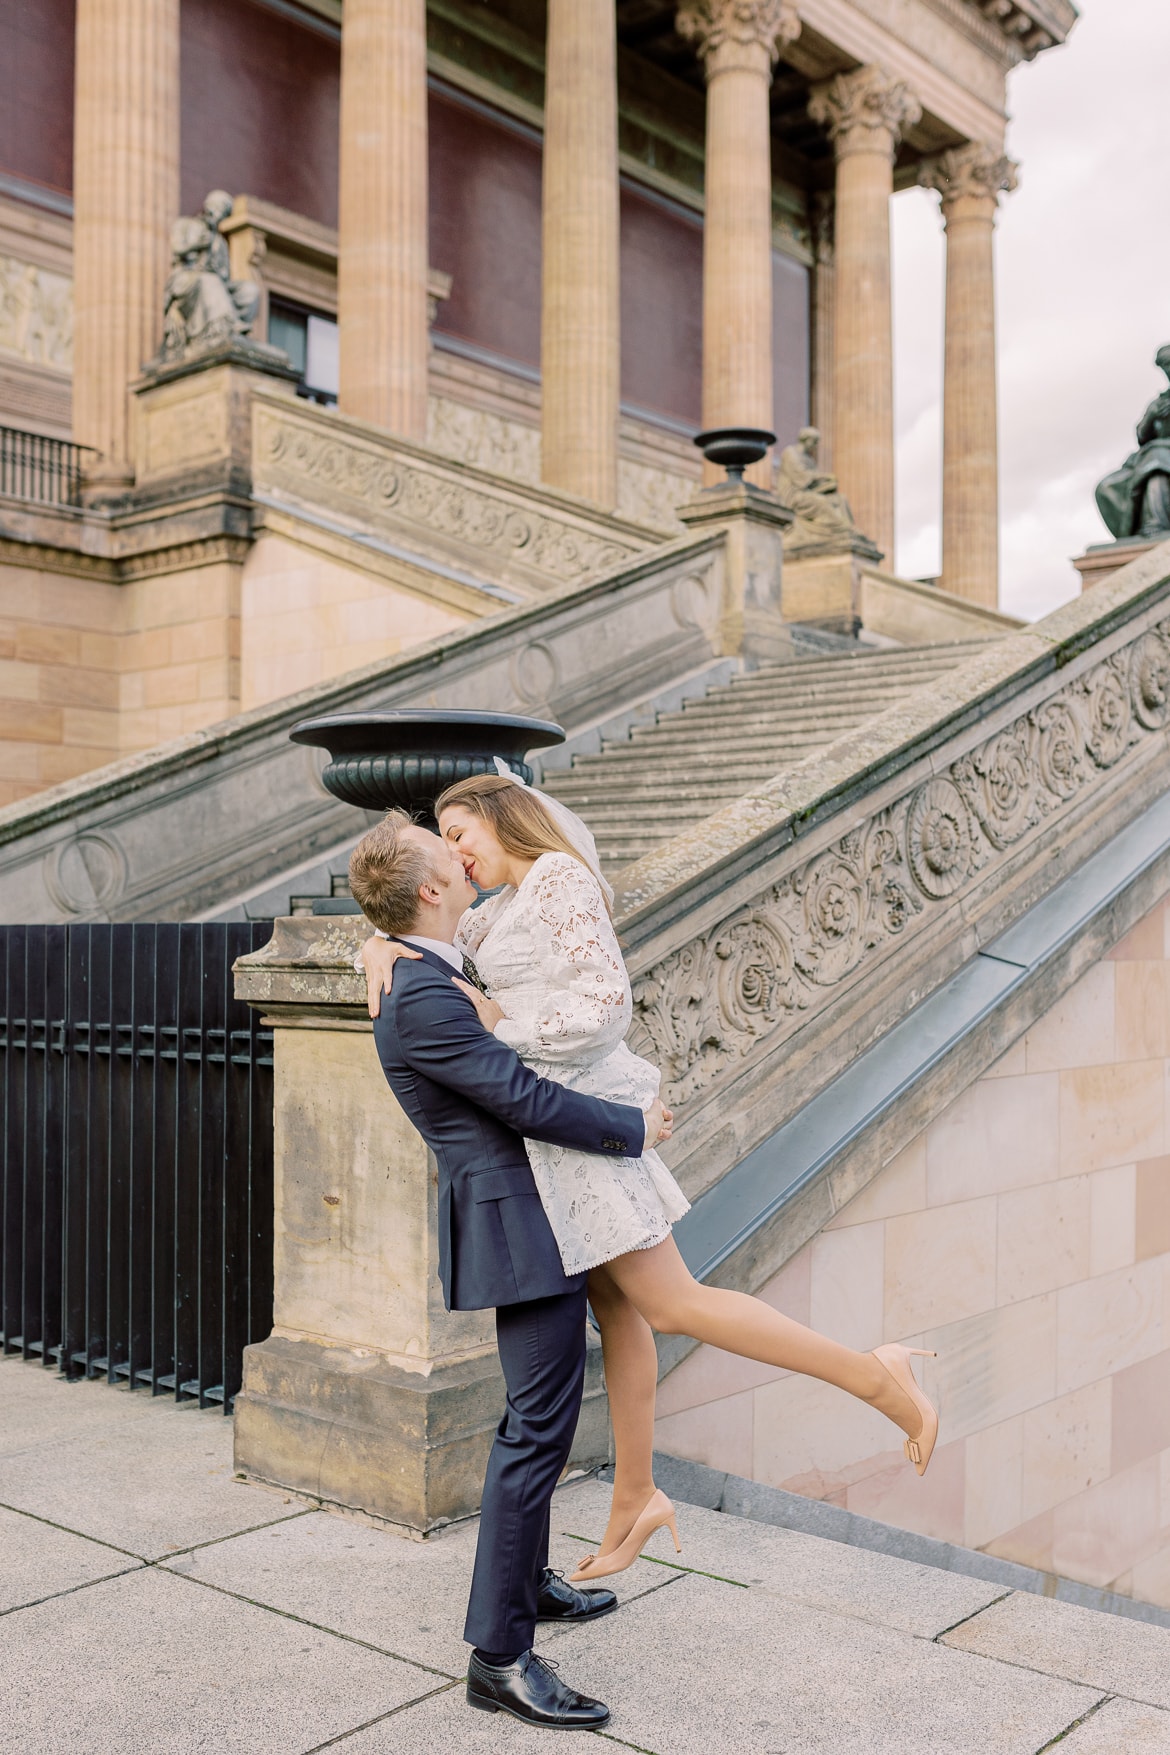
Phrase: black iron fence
x=33 y=467
x=136 y=1166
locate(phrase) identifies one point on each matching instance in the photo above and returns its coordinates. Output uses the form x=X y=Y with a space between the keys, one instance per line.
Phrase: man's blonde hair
x=386 y=873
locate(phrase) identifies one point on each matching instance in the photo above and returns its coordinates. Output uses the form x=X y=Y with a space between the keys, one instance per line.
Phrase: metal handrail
x=36 y=467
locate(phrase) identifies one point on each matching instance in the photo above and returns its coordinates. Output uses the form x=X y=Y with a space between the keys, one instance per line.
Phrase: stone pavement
x=150 y=1604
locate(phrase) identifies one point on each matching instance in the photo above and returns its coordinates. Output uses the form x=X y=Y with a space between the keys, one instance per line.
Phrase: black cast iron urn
x=406 y=757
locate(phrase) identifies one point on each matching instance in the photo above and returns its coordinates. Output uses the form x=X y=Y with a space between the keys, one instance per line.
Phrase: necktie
x=471 y=973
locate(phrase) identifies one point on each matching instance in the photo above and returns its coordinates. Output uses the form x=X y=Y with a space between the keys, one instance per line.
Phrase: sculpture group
x=203 y=306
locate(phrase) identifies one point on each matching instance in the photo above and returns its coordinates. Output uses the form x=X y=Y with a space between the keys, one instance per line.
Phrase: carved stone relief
x=704 y=1009
x=86 y=873
x=512 y=447
x=36 y=314
x=321 y=465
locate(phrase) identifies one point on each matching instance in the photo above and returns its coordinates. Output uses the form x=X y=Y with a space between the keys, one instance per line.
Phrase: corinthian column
x=970 y=181
x=382 y=231
x=125 y=197
x=580 y=349
x=739 y=41
x=865 y=113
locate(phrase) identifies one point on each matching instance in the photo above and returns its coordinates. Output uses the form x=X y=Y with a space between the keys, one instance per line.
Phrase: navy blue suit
x=472 y=1099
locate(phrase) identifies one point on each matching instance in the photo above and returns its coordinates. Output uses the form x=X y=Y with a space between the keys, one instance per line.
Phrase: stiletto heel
x=658 y=1512
x=896 y=1360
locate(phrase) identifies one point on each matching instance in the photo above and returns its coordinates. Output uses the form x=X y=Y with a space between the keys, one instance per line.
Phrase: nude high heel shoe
x=896 y=1361
x=658 y=1511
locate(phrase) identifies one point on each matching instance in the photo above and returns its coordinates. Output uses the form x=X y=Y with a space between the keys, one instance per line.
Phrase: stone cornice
x=970 y=171
x=738 y=33
x=1028 y=26
x=859 y=108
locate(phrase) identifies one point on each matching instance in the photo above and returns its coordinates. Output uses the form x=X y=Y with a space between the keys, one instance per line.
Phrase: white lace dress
x=548 y=953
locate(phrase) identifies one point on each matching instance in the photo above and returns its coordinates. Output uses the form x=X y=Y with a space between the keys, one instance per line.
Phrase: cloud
x=1084 y=301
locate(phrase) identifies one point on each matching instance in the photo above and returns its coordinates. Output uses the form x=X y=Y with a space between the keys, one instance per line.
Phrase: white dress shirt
x=439 y=946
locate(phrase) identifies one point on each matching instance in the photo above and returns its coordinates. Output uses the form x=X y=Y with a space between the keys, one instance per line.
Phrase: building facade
x=541 y=245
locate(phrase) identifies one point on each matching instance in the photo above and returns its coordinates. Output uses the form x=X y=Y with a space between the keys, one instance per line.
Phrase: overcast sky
x=1084 y=300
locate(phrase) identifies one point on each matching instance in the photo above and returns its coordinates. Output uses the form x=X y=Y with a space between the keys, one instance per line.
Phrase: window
x=310 y=341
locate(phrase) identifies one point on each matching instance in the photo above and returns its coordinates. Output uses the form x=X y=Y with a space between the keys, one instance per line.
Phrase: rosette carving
x=1149 y=671
x=938 y=839
x=1059 y=749
x=756 y=973
x=1109 y=713
x=998 y=782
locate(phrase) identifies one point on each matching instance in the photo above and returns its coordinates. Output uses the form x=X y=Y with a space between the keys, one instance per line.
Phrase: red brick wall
x=36 y=90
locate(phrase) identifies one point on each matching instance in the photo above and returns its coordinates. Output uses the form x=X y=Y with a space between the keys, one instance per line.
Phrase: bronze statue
x=203 y=305
x=821 y=510
x=1135 y=499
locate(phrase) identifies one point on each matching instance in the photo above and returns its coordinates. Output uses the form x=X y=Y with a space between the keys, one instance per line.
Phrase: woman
x=546 y=951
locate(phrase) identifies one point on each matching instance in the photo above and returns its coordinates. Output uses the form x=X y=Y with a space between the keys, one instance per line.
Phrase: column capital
x=864 y=111
x=746 y=34
x=970 y=171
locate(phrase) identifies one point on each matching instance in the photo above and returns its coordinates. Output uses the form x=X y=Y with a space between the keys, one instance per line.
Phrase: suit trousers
x=542 y=1352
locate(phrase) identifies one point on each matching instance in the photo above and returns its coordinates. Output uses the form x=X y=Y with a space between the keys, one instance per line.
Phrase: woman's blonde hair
x=518 y=820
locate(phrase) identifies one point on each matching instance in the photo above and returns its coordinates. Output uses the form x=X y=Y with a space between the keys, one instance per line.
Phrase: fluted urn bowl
x=405 y=758
x=734 y=448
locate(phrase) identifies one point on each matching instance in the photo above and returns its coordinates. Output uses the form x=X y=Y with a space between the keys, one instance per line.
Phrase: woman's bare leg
x=631 y=1381
x=658 y=1283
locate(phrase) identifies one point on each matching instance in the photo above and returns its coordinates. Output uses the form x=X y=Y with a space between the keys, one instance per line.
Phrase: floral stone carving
x=704 y=1010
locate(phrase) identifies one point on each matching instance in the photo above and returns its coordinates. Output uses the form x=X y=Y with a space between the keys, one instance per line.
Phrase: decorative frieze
x=387 y=487
x=708 y=1006
x=36 y=314
x=512 y=447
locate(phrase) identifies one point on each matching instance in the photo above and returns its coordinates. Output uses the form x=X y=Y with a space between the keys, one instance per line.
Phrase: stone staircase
x=667 y=777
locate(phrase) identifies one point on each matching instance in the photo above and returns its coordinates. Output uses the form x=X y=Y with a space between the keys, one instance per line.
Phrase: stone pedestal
x=1102 y=559
x=738 y=41
x=125 y=194
x=822 y=581
x=970 y=181
x=367 y=1394
x=865 y=113
x=194 y=418
x=580 y=350
x=751 y=620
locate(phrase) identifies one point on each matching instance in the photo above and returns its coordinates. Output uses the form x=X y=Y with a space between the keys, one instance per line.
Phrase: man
x=473 y=1099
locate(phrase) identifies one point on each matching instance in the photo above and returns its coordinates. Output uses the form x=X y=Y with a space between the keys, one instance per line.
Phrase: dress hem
x=630 y=1249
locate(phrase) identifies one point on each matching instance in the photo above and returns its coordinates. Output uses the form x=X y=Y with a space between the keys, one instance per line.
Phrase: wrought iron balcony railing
x=34 y=467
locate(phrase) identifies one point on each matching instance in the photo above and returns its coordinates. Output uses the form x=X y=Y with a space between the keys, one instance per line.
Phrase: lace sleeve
x=584 y=998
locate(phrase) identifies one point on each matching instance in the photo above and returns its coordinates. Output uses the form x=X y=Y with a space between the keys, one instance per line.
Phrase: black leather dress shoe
x=561 y=1601
x=530 y=1689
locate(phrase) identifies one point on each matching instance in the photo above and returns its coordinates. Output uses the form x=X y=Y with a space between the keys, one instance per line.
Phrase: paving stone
x=446 y=1725
x=151 y=1483
x=153 y=1663
x=38 y=1407
x=1120 y=1727
x=1109 y=1652
x=406 y=1597
x=37 y=1560
x=684 y=1665
x=829 y=1575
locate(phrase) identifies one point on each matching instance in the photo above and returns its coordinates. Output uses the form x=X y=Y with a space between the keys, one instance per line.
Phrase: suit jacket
x=472 y=1099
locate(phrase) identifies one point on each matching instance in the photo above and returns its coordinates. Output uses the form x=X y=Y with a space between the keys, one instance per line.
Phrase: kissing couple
x=501 y=1030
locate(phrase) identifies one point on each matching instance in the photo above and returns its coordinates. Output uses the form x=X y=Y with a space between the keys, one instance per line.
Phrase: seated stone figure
x=203 y=306
x=1135 y=499
x=821 y=510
